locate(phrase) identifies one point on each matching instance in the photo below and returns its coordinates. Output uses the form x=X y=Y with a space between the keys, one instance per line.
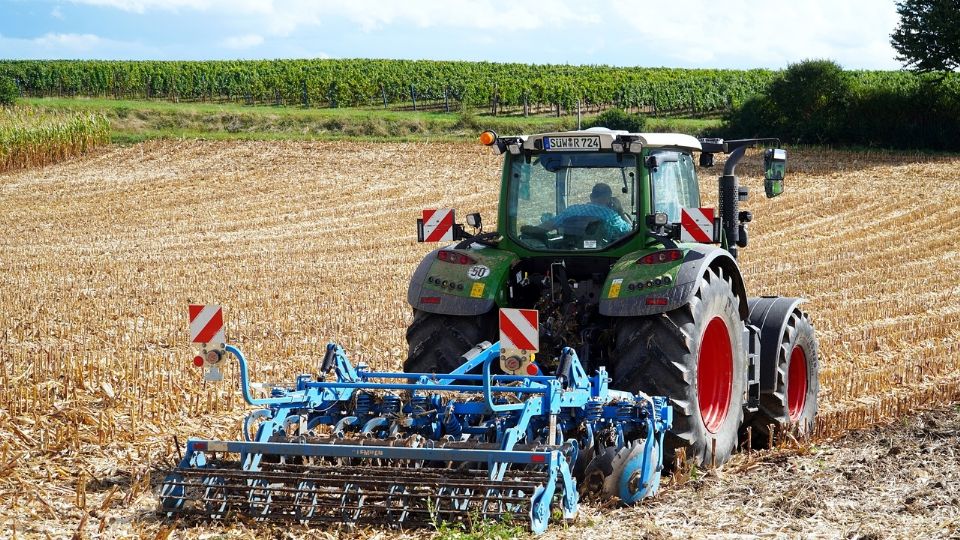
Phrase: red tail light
x=656 y=301
x=667 y=255
x=454 y=257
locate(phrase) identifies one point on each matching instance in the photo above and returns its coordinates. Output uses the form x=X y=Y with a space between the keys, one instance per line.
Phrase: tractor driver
x=603 y=205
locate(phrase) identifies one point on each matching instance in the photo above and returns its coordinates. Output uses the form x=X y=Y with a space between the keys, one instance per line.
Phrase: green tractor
x=602 y=232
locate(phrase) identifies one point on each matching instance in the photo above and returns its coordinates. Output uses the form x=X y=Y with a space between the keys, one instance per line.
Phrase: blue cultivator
x=406 y=449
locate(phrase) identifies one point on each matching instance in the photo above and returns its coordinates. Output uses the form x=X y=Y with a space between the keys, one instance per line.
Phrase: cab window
x=674 y=184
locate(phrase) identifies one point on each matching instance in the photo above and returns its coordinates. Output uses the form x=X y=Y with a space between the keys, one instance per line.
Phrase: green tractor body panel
x=454 y=288
x=634 y=289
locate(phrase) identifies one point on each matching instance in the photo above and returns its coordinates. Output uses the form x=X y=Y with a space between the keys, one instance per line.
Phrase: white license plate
x=571 y=143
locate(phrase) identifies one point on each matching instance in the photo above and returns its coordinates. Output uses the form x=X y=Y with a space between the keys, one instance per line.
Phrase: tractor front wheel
x=694 y=355
x=436 y=342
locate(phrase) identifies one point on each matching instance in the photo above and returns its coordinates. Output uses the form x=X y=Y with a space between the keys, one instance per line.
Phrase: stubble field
x=309 y=242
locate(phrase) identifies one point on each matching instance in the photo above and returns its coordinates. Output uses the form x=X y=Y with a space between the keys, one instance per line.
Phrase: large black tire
x=436 y=342
x=694 y=356
x=793 y=403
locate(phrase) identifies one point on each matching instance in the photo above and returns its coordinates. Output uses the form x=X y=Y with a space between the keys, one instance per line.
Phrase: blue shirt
x=614 y=226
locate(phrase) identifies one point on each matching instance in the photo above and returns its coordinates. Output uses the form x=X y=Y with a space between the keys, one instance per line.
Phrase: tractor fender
x=770 y=314
x=460 y=289
x=697 y=258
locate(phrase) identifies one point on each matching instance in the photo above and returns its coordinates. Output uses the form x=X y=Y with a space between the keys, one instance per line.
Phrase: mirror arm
x=730 y=168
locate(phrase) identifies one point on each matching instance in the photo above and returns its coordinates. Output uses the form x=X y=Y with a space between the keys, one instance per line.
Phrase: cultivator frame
x=345 y=447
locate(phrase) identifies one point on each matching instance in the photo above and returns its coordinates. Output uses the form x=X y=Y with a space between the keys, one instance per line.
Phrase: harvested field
x=308 y=242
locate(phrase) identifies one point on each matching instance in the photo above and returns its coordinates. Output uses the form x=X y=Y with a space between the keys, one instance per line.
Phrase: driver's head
x=601 y=194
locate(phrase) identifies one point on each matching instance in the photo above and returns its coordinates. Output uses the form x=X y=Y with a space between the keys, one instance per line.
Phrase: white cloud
x=753 y=32
x=245 y=41
x=56 y=13
x=73 y=42
x=59 y=46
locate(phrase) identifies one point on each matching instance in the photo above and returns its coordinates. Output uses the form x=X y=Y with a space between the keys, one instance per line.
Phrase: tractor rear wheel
x=436 y=342
x=793 y=402
x=694 y=355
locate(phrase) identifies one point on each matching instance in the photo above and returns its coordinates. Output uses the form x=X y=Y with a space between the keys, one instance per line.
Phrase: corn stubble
x=309 y=242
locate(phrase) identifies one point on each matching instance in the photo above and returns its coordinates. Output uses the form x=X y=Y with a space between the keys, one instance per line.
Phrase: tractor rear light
x=667 y=280
x=198 y=361
x=656 y=301
x=666 y=255
x=657 y=282
x=430 y=300
x=449 y=256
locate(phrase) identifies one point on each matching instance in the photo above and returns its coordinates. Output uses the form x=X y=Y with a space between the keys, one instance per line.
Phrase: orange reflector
x=198 y=361
x=488 y=137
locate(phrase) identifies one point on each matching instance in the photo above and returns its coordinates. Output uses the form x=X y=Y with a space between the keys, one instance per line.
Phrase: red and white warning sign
x=438 y=225
x=206 y=324
x=696 y=225
x=519 y=329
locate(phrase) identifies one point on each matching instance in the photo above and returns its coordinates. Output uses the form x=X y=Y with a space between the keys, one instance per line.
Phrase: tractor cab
x=593 y=190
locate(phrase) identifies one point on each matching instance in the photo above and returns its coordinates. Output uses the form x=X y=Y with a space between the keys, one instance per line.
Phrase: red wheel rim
x=714 y=374
x=797 y=383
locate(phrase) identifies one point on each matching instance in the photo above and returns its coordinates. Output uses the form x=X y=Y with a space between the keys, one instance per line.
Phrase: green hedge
x=815 y=101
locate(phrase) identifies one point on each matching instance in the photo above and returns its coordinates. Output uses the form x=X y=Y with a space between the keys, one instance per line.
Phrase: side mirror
x=774 y=170
x=706 y=159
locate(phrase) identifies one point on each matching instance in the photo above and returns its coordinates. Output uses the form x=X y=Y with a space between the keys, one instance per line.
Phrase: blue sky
x=673 y=33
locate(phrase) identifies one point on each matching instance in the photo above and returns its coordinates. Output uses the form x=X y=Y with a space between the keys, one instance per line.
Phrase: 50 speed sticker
x=478 y=271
